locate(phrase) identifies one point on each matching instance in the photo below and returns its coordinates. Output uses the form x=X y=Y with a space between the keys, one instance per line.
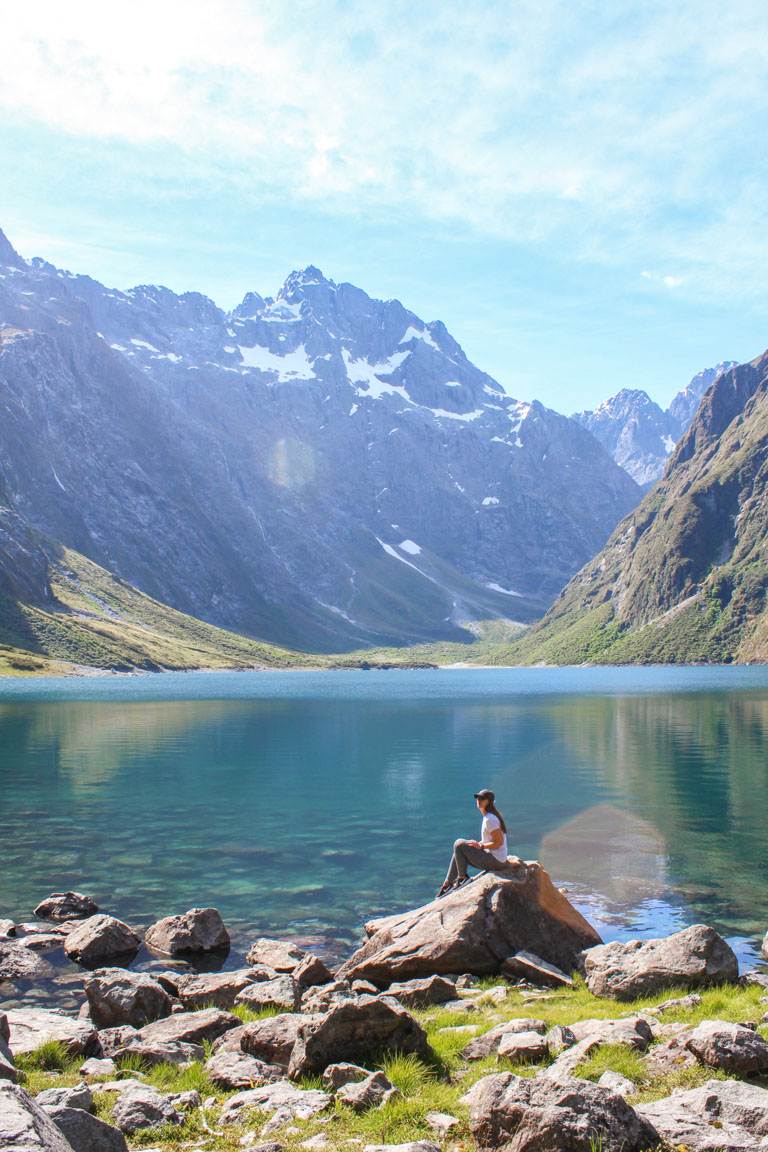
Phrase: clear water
x=304 y=803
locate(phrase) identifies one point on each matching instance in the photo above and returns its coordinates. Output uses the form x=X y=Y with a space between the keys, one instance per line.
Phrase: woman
x=489 y=853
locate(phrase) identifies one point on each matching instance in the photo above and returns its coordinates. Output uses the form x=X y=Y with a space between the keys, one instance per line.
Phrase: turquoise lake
x=304 y=803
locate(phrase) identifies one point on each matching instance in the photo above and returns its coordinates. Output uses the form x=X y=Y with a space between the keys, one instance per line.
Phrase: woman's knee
x=459 y=844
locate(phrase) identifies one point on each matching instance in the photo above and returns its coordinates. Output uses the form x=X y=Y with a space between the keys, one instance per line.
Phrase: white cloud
x=632 y=138
x=663 y=278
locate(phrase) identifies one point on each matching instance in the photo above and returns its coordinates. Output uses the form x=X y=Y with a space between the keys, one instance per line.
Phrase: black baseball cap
x=485 y=794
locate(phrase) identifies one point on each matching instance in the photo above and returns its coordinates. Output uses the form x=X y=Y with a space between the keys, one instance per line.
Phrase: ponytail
x=492 y=808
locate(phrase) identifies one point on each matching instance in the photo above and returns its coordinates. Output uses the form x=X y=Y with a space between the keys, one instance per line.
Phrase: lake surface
x=303 y=803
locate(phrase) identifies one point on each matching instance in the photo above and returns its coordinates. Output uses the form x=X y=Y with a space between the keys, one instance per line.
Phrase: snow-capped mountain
x=319 y=469
x=640 y=435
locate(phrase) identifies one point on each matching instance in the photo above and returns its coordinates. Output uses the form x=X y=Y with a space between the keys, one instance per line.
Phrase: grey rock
x=676 y=1004
x=144 y=1107
x=219 y=989
x=617 y=1083
x=559 y=1037
x=360 y=987
x=112 y=1040
x=117 y=996
x=152 y=1052
x=20 y=963
x=281 y=1097
x=521 y=1047
x=99 y=939
x=633 y=1031
x=229 y=1041
x=98 y=1066
x=234 y=1071
x=441 y=1122
x=373 y=1092
x=194 y=932
x=311 y=971
x=273 y=1038
x=283 y=992
x=729 y=1047
x=7 y=929
x=337 y=1075
x=721 y=1114
x=66 y=906
x=696 y=957
x=86 y=1133
x=320 y=999
x=564 y=1067
x=192 y=1027
x=488 y=1043
x=529 y=966
x=280 y=955
x=639 y=435
x=355 y=1031
x=31 y=1027
x=671 y=1055
x=80 y=1096
x=24 y=1126
x=538 y=1115
x=422 y=992
x=7 y=1068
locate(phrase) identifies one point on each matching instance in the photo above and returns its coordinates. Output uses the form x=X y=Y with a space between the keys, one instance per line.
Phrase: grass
x=436 y=1085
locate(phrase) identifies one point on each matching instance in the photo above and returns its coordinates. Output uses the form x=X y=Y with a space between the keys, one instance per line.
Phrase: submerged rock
x=473 y=929
x=197 y=931
x=18 y=962
x=66 y=906
x=697 y=957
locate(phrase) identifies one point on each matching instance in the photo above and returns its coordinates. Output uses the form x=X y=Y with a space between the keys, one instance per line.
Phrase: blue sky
x=578 y=190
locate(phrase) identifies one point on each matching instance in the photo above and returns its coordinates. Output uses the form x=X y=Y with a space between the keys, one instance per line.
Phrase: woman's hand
x=474 y=843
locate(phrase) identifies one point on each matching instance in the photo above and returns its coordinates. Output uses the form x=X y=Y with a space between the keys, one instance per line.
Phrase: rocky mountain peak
x=9 y=257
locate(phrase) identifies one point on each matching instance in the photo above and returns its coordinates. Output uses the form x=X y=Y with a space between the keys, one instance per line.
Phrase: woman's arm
x=496 y=841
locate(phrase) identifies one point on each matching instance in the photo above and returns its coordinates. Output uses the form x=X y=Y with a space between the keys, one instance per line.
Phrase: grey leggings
x=464 y=855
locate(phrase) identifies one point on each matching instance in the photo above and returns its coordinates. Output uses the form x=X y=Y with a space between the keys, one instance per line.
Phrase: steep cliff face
x=684 y=577
x=321 y=470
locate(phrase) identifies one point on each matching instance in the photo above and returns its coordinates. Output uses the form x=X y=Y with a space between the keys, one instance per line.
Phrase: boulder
x=152 y=1052
x=20 y=963
x=283 y=993
x=229 y=1041
x=99 y=939
x=273 y=1038
x=98 y=1066
x=320 y=999
x=31 y=1027
x=540 y=1115
x=112 y=1040
x=633 y=1031
x=311 y=971
x=697 y=957
x=677 y=1004
x=337 y=1075
x=279 y=955
x=559 y=1037
x=521 y=1047
x=117 y=996
x=191 y=1027
x=356 y=1031
x=730 y=1047
x=721 y=1114
x=373 y=1092
x=441 y=1122
x=144 y=1107
x=25 y=1126
x=7 y=1069
x=197 y=931
x=615 y=1082
x=281 y=1097
x=564 y=1066
x=234 y=1071
x=80 y=1096
x=217 y=989
x=488 y=1043
x=66 y=906
x=671 y=1055
x=529 y=966
x=420 y=993
x=86 y=1133
x=473 y=929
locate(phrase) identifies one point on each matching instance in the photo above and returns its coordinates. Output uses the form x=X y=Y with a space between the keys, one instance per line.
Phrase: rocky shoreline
x=501 y=996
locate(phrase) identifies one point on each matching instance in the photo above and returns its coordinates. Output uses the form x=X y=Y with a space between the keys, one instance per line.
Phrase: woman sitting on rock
x=489 y=853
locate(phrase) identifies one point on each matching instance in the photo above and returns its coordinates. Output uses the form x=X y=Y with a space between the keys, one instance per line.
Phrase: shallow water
x=303 y=803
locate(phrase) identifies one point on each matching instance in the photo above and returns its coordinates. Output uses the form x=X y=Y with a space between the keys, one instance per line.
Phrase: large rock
x=355 y=1031
x=420 y=993
x=24 y=1126
x=197 y=931
x=7 y=1068
x=31 y=1027
x=192 y=1027
x=234 y=1071
x=529 y=966
x=373 y=1091
x=730 y=1047
x=541 y=1115
x=66 y=906
x=320 y=999
x=311 y=971
x=86 y=1133
x=217 y=989
x=144 y=1107
x=99 y=939
x=280 y=955
x=152 y=1052
x=282 y=1096
x=112 y=1040
x=273 y=1038
x=474 y=929
x=117 y=996
x=282 y=993
x=634 y=1031
x=721 y=1114
x=18 y=962
x=488 y=1043
x=78 y=1096
x=697 y=957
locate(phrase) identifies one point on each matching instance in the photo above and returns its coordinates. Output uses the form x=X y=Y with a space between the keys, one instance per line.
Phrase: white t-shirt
x=490 y=824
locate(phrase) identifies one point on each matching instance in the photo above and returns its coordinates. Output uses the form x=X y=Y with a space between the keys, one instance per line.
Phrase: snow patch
x=504 y=591
x=362 y=372
x=490 y=501
x=669 y=444
x=443 y=415
x=288 y=366
x=144 y=344
x=353 y=409
x=409 y=547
